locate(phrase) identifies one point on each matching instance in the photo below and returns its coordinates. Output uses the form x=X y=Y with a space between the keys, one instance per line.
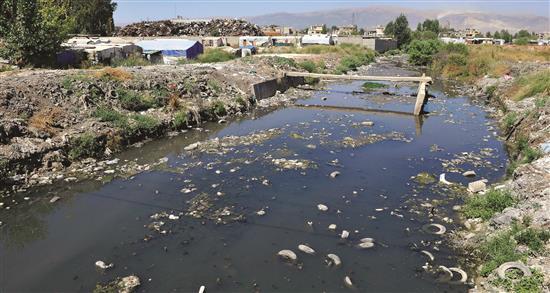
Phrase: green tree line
x=31 y=31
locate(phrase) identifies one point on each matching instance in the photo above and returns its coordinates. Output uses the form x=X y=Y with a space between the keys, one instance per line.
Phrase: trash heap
x=215 y=27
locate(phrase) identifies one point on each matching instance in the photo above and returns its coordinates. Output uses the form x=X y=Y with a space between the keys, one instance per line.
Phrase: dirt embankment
x=519 y=232
x=52 y=121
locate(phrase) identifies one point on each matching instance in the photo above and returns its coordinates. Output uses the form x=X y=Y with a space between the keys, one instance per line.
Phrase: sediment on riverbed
x=52 y=119
x=516 y=231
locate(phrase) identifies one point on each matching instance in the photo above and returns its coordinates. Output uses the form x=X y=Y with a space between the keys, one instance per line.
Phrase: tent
x=317 y=40
x=172 y=49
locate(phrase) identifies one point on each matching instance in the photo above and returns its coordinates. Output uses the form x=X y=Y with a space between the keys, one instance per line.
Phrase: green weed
x=486 y=205
x=134 y=101
x=215 y=55
x=181 y=119
x=368 y=86
x=85 y=146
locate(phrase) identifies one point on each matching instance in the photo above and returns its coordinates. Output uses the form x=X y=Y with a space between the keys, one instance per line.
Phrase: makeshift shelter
x=317 y=40
x=254 y=41
x=282 y=41
x=171 y=50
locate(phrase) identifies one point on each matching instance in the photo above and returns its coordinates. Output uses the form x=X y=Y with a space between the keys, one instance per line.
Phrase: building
x=468 y=33
x=214 y=42
x=274 y=30
x=346 y=30
x=97 y=50
x=377 y=32
x=316 y=29
x=170 y=51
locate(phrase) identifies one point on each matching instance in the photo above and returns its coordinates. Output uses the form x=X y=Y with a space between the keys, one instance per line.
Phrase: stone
x=477 y=186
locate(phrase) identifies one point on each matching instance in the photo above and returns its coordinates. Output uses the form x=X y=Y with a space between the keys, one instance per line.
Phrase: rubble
x=477 y=186
x=214 y=27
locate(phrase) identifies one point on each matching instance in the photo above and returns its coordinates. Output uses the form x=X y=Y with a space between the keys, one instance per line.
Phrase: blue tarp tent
x=172 y=49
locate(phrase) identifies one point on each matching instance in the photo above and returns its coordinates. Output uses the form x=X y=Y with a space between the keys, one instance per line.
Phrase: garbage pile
x=215 y=27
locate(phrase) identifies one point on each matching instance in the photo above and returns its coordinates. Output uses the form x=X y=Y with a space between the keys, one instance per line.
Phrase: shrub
x=421 y=52
x=485 y=206
x=533 y=238
x=282 y=62
x=85 y=146
x=510 y=120
x=215 y=55
x=218 y=109
x=524 y=150
x=214 y=85
x=134 y=101
x=142 y=125
x=181 y=119
x=308 y=66
x=106 y=114
x=496 y=251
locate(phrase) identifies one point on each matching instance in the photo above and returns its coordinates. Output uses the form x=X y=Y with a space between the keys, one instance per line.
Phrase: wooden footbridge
x=423 y=81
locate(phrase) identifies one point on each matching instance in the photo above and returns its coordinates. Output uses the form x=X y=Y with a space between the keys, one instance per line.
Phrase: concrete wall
x=379 y=45
x=269 y=88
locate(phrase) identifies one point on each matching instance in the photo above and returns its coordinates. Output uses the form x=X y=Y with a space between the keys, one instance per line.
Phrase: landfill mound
x=215 y=27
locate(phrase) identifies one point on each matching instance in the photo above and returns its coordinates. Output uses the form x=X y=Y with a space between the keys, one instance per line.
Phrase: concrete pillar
x=420 y=98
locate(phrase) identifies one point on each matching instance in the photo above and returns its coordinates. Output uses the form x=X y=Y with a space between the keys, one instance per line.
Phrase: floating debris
x=260 y=213
x=367 y=123
x=306 y=249
x=128 y=284
x=332 y=227
x=334 y=174
x=439 y=229
x=287 y=254
x=333 y=260
x=424 y=178
x=348 y=282
x=365 y=245
x=462 y=273
x=102 y=265
x=445 y=275
x=54 y=199
x=344 y=235
x=428 y=254
x=202 y=289
x=469 y=174
x=322 y=207
x=443 y=180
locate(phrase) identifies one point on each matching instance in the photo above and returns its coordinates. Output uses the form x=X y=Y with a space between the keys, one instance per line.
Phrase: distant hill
x=380 y=15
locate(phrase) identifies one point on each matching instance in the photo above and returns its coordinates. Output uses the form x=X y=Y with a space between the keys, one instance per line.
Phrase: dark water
x=53 y=247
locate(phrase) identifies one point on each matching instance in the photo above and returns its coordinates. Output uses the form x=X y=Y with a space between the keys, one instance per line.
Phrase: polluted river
x=276 y=201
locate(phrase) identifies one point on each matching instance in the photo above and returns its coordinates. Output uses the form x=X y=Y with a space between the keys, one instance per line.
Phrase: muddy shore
x=524 y=122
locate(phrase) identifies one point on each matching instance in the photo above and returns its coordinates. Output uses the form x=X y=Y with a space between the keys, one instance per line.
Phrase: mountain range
x=380 y=15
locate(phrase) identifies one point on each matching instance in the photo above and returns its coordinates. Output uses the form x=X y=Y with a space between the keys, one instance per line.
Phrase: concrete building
x=274 y=30
x=377 y=32
x=347 y=30
x=316 y=29
x=468 y=33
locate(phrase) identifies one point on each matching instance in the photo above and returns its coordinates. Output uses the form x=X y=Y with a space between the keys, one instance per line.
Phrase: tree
x=522 y=34
x=93 y=16
x=401 y=31
x=34 y=31
x=488 y=35
x=496 y=35
x=506 y=36
x=431 y=25
x=421 y=52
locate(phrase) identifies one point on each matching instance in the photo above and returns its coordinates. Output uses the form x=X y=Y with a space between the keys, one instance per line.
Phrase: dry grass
x=110 y=73
x=489 y=60
x=46 y=120
x=531 y=85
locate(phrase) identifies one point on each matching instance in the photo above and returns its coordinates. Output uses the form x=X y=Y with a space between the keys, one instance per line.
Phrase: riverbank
x=509 y=222
x=54 y=121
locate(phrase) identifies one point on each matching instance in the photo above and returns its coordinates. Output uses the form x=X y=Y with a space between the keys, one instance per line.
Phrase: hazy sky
x=136 y=10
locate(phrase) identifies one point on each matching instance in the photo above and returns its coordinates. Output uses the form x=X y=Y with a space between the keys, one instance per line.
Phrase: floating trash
x=435 y=229
x=428 y=254
x=348 y=282
x=462 y=273
x=322 y=207
x=287 y=254
x=469 y=174
x=332 y=227
x=102 y=265
x=443 y=180
x=334 y=174
x=306 y=249
x=333 y=260
x=345 y=234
